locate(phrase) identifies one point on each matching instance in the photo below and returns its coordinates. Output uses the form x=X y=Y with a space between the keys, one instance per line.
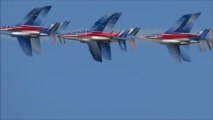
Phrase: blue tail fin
x=203 y=35
x=124 y=33
x=122 y=43
x=53 y=28
x=134 y=31
x=63 y=26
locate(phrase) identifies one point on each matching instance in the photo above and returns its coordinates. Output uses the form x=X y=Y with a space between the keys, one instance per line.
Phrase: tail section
x=63 y=26
x=133 y=32
x=202 y=37
x=57 y=28
x=203 y=34
x=122 y=42
x=184 y=24
x=129 y=35
x=124 y=33
x=53 y=28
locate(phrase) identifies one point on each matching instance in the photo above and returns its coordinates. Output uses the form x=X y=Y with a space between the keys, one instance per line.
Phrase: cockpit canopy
x=154 y=35
x=8 y=26
x=81 y=31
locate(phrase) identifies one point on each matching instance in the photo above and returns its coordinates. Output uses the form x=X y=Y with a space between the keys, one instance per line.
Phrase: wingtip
x=29 y=54
x=198 y=13
x=47 y=7
x=100 y=60
x=117 y=13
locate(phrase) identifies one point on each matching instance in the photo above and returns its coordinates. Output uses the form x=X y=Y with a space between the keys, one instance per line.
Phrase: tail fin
x=63 y=26
x=202 y=36
x=52 y=31
x=133 y=32
x=130 y=33
x=124 y=33
x=53 y=28
x=122 y=43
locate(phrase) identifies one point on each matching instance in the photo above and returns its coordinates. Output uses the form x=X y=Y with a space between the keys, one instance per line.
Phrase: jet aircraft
x=99 y=40
x=179 y=35
x=29 y=30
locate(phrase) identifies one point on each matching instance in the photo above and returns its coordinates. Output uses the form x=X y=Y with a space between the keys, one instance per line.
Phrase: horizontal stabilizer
x=122 y=45
x=132 y=43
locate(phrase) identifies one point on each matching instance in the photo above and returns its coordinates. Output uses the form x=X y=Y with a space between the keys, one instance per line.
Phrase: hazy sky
x=64 y=82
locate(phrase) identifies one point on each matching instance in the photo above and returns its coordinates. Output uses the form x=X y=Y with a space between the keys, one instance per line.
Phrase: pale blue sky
x=64 y=82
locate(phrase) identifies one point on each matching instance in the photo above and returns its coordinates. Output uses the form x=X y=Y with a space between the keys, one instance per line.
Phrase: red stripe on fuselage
x=90 y=34
x=27 y=28
x=177 y=36
x=102 y=34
